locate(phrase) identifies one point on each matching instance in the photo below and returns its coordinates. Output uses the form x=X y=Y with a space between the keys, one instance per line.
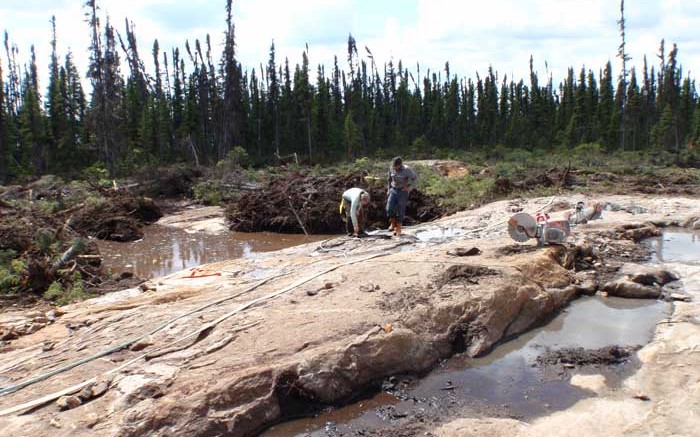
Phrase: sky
x=471 y=35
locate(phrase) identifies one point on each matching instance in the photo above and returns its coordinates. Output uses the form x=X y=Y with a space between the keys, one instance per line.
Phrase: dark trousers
x=396 y=204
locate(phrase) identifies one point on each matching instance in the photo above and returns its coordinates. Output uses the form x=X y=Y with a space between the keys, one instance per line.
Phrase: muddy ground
x=306 y=327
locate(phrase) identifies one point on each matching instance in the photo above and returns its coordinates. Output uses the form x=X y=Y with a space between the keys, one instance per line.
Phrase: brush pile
x=297 y=203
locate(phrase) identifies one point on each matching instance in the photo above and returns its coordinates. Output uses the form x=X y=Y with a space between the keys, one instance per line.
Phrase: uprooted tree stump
x=298 y=202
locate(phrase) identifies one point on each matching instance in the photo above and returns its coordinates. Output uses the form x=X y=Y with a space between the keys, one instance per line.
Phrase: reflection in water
x=506 y=375
x=676 y=245
x=164 y=250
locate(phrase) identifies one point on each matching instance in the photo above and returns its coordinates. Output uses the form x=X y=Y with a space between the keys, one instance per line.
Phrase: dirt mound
x=464 y=273
x=298 y=202
x=42 y=230
x=579 y=356
x=554 y=177
x=168 y=182
x=676 y=184
x=119 y=218
x=513 y=249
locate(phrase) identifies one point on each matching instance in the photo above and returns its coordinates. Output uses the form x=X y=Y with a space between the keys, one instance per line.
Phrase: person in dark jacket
x=401 y=180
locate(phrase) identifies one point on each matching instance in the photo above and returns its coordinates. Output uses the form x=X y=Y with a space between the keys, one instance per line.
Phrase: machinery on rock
x=522 y=226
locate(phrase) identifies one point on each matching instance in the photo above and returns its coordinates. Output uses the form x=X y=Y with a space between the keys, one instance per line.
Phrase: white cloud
x=470 y=35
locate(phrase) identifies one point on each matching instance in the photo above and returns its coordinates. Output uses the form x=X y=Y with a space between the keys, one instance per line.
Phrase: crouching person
x=354 y=203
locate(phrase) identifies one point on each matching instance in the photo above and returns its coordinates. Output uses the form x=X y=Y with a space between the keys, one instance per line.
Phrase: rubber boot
x=397 y=229
x=392 y=224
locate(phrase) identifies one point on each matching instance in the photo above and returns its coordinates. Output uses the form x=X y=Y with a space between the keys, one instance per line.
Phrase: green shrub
x=54 y=291
x=71 y=293
x=44 y=238
x=9 y=282
x=235 y=160
x=207 y=192
x=421 y=148
x=11 y=272
x=76 y=292
x=96 y=201
x=97 y=175
x=6 y=256
x=589 y=154
x=49 y=206
x=521 y=157
x=506 y=169
x=18 y=265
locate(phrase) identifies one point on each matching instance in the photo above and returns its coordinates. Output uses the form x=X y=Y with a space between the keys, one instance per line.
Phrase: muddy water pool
x=676 y=246
x=507 y=382
x=166 y=249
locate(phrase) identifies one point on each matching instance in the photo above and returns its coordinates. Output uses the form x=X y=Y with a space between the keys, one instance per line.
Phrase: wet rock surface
x=267 y=350
x=640 y=282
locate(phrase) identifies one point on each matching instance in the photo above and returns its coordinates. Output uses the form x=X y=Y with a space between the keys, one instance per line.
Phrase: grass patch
x=454 y=193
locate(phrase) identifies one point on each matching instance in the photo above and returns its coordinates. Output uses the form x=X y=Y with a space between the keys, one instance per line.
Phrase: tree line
x=189 y=109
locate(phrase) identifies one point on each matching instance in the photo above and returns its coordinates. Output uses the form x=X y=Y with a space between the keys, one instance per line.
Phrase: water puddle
x=439 y=234
x=508 y=382
x=676 y=245
x=164 y=249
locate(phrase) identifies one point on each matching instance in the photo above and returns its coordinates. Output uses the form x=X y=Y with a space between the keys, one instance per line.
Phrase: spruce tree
x=230 y=118
x=31 y=121
x=56 y=108
x=3 y=138
x=273 y=107
x=608 y=135
x=632 y=114
x=74 y=144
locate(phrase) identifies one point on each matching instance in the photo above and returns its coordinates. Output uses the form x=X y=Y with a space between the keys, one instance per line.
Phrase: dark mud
x=464 y=274
x=508 y=382
x=576 y=357
x=299 y=202
x=514 y=249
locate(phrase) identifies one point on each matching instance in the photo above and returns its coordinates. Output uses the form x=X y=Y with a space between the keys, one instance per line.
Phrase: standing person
x=402 y=179
x=354 y=202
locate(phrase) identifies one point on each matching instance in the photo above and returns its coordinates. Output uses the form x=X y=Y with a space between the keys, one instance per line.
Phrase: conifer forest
x=190 y=108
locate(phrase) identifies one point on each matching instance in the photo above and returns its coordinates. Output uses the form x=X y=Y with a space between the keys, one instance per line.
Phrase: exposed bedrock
x=462 y=308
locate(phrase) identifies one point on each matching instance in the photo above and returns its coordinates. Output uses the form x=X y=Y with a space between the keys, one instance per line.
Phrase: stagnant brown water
x=165 y=249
